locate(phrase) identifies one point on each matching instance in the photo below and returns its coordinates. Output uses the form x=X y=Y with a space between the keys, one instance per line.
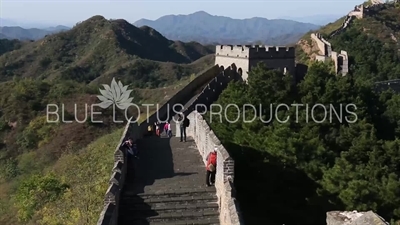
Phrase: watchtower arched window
x=240 y=71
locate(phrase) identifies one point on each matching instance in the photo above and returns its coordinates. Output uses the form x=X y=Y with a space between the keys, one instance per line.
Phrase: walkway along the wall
x=109 y=214
x=206 y=140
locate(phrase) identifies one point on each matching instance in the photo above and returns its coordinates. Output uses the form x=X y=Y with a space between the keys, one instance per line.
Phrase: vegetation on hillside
x=94 y=48
x=69 y=192
x=30 y=146
x=49 y=174
x=9 y=45
x=297 y=171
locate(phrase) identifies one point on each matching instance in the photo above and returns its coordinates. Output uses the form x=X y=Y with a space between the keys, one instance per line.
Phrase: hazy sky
x=68 y=12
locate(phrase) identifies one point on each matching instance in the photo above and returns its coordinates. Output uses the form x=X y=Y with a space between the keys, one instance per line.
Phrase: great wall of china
x=341 y=59
x=231 y=63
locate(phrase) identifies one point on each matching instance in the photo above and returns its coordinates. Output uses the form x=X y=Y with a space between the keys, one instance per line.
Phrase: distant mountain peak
x=200 y=13
x=96 y=18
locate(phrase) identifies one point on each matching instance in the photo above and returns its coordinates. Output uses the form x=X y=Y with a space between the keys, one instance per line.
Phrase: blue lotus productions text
x=217 y=113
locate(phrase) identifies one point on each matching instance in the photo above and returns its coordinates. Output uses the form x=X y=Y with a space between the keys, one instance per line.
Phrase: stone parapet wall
x=213 y=89
x=342 y=65
x=206 y=140
x=320 y=43
x=109 y=214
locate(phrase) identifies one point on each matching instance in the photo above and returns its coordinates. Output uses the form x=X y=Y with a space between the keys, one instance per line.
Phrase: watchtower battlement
x=255 y=51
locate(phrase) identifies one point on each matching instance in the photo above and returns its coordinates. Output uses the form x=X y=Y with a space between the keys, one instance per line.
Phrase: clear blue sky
x=68 y=12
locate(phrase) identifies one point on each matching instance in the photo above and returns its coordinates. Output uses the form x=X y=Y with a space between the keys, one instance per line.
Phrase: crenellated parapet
x=247 y=56
x=255 y=51
x=109 y=214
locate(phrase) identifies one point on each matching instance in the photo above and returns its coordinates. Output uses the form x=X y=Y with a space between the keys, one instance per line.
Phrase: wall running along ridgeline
x=341 y=59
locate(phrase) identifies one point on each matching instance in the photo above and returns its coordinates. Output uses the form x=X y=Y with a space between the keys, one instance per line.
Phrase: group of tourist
x=158 y=128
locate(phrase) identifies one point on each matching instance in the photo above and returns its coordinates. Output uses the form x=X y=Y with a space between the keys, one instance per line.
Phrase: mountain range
x=315 y=19
x=200 y=27
x=208 y=29
x=15 y=32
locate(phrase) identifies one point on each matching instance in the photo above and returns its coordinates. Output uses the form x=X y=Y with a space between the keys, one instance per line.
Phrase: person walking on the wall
x=161 y=127
x=150 y=130
x=183 y=124
x=157 y=124
x=167 y=129
x=211 y=167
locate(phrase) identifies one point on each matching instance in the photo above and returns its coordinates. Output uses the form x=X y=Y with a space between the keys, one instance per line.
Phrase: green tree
x=35 y=192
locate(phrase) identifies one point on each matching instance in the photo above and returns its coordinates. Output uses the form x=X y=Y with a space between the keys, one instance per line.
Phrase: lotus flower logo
x=117 y=94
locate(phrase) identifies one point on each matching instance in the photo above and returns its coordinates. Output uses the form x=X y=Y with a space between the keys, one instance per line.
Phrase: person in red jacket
x=211 y=167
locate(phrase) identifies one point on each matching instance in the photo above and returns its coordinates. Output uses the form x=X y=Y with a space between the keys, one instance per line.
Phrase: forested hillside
x=293 y=173
x=57 y=173
x=9 y=45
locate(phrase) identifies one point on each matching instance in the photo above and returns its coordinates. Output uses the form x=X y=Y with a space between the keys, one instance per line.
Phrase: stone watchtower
x=246 y=57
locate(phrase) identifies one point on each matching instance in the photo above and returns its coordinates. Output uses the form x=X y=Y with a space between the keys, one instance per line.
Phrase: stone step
x=151 y=213
x=140 y=207
x=210 y=221
x=172 y=193
x=171 y=217
x=214 y=221
x=180 y=199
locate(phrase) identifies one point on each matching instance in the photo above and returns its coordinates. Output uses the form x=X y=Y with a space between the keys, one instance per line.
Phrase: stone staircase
x=191 y=206
x=166 y=185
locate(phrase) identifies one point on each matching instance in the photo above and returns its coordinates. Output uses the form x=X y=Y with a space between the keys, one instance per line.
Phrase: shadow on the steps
x=155 y=163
